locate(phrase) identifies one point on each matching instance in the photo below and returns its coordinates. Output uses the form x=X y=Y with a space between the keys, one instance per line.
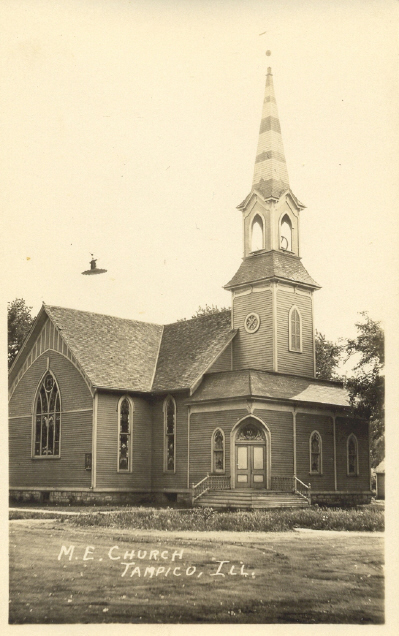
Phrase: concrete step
x=250 y=499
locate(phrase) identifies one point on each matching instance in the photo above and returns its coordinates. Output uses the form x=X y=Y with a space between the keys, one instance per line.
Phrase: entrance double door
x=250 y=465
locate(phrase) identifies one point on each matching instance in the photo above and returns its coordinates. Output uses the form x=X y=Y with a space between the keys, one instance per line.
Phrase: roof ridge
x=96 y=313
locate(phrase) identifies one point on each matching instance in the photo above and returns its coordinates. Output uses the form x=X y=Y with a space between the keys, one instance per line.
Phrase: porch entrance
x=250 y=457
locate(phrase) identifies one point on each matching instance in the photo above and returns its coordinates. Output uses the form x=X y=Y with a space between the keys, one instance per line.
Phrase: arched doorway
x=251 y=455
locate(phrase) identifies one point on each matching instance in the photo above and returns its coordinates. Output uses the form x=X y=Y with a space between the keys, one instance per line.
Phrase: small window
x=47 y=429
x=218 y=455
x=125 y=435
x=170 y=434
x=315 y=453
x=295 y=330
x=257 y=234
x=352 y=456
x=286 y=234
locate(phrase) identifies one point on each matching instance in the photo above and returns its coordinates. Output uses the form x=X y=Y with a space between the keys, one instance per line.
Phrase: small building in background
x=380 y=480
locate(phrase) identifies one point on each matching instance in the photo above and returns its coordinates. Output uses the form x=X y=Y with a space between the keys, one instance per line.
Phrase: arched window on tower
x=257 y=234
x=286 y=234
x=295 y=330
x=218 y=451
x=47 y=429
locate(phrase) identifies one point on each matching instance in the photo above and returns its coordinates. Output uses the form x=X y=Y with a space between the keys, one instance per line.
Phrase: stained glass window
x=352 y=455
x=295 y=330
x=218 y=451
x=315 y=453
x=124 y=459
x=170 y=430
x=47 y=419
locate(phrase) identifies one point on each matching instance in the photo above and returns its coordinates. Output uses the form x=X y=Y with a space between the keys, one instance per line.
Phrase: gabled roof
x=130 y=355
x=272 y=386
x=189 y=348
x=115 y=353
x=270 y=189
x=271 y=265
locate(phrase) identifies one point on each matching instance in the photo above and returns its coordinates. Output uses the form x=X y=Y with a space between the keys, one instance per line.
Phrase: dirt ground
x=61 y=574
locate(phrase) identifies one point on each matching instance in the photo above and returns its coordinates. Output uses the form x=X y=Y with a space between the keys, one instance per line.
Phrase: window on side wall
x=315 y=453
x=125 y=437
x=47 y=423
x=352 y=456
x=169 y=410
x=218 y=451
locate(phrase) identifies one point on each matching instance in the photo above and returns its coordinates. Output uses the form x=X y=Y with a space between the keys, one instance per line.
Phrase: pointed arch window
x=295 y=330
x=352 y=456
x=218 y=451
x=315 y=453
x=286 y=234
x=125 y=434
x=169 y=410
x=257 y=234
x=47 y=427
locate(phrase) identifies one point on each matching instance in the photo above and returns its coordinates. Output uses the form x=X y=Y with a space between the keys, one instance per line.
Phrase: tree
x=19 y=323
x=367 y=386
x=328 y=357
x=205 y=311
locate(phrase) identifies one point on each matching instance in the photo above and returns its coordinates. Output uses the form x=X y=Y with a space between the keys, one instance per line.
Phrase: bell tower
x=272 y=293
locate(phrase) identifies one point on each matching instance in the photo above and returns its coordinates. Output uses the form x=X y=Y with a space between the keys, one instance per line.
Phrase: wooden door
x=250 y=466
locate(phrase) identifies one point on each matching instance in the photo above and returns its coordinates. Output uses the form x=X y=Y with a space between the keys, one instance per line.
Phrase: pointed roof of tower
x=270 y=173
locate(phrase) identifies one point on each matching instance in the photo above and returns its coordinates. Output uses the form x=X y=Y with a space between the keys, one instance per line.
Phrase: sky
x=130 y=131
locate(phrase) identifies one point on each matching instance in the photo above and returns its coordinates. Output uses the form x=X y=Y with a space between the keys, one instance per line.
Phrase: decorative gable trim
x=48 y=339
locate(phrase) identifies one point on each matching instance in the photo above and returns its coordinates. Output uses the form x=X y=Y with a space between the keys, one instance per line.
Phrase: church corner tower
x=272 y=293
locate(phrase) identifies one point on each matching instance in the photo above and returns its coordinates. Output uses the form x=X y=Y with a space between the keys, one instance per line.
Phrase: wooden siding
x=223 y=363
x=253 y=350
x=306 y=423
x=202 y=426
x=344 y=427
x=280 y=426
x=169 y=480
x=107 y=475
x=76 y=428
x=291 y=361
x=49 y=338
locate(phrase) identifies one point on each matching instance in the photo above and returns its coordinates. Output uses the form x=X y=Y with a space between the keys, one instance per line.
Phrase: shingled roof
x=117 y=353
x=114 y=352
x=271 y=265
x=273 y=386
x=189 y=347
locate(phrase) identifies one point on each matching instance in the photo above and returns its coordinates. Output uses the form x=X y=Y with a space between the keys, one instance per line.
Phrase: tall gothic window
x=352 y=456
x=257 y=234
x=286 y=234
x=125 y=435
x=295 y=330
x=315 y=453
x=170 y=434
x=218 y=451
x=47 y=429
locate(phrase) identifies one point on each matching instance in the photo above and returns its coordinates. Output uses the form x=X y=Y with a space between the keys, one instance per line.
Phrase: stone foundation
x=349 y=499
x=74 y=498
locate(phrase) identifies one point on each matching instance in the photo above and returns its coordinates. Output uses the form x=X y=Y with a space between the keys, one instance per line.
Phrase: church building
x=219 y=410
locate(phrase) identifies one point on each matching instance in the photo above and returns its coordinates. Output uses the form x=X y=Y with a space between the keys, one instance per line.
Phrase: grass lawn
x=159 y=577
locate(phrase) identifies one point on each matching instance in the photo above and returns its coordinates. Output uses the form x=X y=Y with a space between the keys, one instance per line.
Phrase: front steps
x=250 y=499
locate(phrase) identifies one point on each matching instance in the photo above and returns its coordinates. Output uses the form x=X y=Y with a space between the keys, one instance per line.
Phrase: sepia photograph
x=200 y=273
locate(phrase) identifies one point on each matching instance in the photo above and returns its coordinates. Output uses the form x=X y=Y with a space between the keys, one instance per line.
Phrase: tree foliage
x=328 y=357
x=205 y=311
x=367 y=386
x=19 y=322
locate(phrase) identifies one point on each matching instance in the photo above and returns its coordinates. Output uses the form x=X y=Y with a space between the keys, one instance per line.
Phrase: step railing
x=210 y=482
x=302 y=489
x=282 y=484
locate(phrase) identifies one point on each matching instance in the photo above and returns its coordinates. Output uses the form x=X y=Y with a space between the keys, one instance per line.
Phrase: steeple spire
x=270 y=173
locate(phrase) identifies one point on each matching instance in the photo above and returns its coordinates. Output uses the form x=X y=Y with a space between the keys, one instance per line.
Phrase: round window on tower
x=252 y=323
